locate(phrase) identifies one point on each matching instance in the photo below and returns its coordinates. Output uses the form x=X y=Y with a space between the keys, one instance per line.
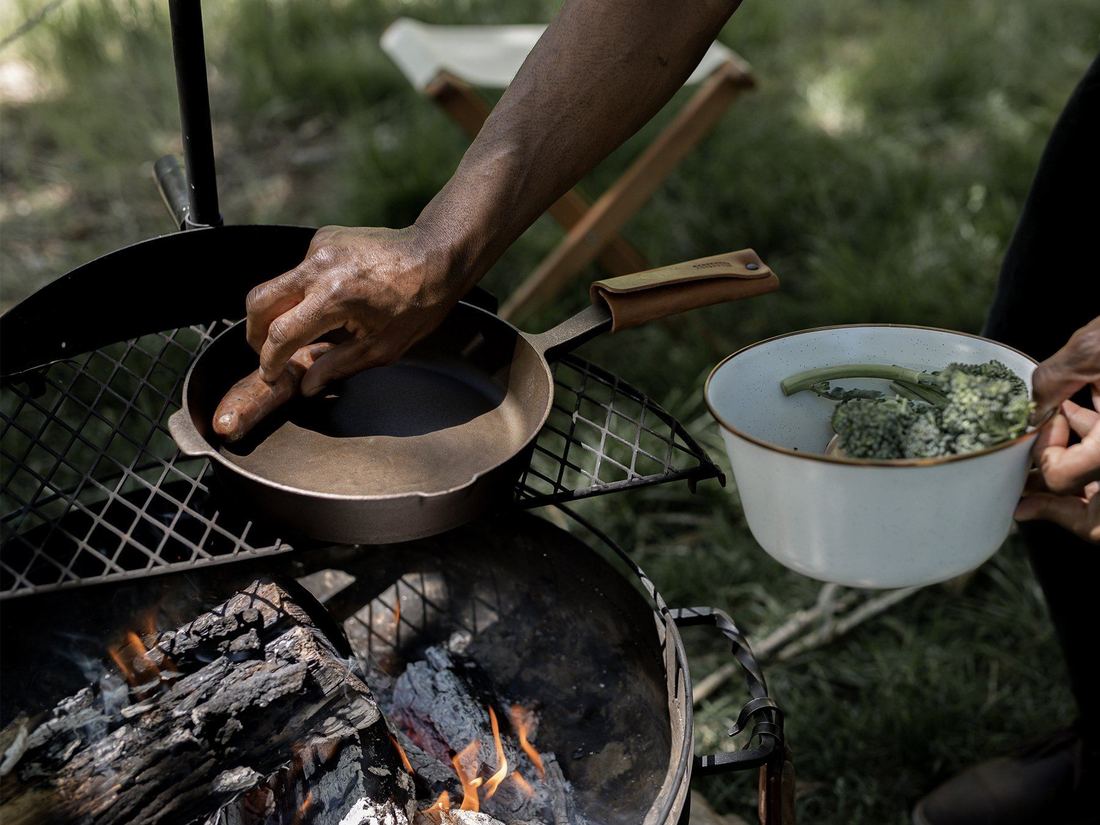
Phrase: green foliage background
x=879 y=168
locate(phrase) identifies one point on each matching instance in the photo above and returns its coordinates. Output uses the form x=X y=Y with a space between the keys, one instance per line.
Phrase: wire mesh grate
x=93 y=488
x=603 y=435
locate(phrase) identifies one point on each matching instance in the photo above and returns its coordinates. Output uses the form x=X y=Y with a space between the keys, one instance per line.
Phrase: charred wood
x=441 y=703
x=217 y=714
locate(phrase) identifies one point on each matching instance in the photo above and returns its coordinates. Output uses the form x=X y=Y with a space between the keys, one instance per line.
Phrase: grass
x=879 y=168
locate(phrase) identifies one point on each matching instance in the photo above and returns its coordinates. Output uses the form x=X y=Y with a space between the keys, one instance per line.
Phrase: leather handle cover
x=656 y=293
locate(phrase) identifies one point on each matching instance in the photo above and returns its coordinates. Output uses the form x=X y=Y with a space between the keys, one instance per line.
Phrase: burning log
x=445 y=705
x=245 y=715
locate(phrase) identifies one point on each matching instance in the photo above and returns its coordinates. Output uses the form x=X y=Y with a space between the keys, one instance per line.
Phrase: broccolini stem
x=904 y=391
x=806 y=380
x=919 y=392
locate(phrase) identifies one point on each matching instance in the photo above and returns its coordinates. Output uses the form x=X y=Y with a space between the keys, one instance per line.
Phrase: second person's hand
x=1066 y=484
x=1066 y=489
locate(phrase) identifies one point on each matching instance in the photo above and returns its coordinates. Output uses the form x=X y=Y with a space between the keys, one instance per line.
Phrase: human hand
x=1067 y=479
x=388 y=288
x=252 y=398
x=1068 y=476
x=1074 y=366
x=384 y=287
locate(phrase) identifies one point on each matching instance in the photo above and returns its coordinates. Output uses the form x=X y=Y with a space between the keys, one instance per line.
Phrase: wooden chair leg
x=627 y=195
x=469 y=110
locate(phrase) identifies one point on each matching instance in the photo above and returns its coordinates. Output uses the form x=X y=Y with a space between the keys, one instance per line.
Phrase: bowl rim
x=1031 y=433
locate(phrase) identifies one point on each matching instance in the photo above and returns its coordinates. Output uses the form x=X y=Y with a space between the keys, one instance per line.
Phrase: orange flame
x=133 y=661
x=396 y=613
x=402 y=754
x=441 y=804
x=303 y=809
x=519 y=721
x=147 y=622
x=502 y=763
x=470 y=781
x=524 y=785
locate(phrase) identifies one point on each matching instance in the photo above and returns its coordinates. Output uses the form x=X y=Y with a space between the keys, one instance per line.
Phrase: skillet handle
x=187 y=438
x=657 y=293
x=631 y=300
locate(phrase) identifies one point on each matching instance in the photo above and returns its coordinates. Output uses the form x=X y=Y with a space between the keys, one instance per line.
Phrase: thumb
x=339 y=362
x=1052 y=383
x=1068 y=370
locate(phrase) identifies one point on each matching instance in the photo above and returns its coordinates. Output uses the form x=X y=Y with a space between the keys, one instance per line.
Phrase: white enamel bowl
x=863 y=524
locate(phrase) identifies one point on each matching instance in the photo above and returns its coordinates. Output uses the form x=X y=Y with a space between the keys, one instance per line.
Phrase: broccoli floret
x=873 y=427
x=959 y=409
x=990 y=369
x=926 y=437
x=984 y=408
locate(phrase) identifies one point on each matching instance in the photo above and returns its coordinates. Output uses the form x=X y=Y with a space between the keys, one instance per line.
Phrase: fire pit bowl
x=509 y=612
x=855 y=522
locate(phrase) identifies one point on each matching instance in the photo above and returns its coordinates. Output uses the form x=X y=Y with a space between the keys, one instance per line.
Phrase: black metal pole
x=194 y=99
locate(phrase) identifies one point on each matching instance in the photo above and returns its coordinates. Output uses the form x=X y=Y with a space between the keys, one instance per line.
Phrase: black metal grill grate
x=94 y=489
x=603 y=435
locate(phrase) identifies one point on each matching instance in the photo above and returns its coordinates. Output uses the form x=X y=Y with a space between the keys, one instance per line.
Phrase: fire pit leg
x=776 y=797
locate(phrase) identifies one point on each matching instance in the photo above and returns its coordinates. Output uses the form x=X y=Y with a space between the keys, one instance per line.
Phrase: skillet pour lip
x=864 y=462
x=214 y=454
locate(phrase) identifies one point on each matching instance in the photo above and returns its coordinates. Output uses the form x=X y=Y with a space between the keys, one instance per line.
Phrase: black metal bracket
x=760 y=713
x=189 y=53
x=171 y=181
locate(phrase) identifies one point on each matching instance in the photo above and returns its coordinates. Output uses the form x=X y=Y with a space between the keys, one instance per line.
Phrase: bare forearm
x=603 y=68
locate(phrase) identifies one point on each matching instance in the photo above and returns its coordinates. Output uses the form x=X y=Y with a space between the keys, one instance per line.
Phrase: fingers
x=1074 y=366
x=268 y=301
x=1081 y=419
x=251 y=399
x=339 y=362
x=1054 y=434
x=1079 y=516
x=1069 y=469
x=294 y=329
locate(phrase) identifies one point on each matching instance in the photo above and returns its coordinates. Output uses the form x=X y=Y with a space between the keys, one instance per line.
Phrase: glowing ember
x=470 y=780
x=502 y=762
x=519 y=720
x=524 y=785
x=441 y=804
x=402 y=754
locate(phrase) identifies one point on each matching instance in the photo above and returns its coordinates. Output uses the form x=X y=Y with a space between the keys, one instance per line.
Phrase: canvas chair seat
x=486 y=56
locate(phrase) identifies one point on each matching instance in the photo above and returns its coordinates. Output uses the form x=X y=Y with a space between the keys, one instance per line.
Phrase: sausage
x=251 y=399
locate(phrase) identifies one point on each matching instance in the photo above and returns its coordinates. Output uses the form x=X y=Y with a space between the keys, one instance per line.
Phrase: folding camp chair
x=447 y=62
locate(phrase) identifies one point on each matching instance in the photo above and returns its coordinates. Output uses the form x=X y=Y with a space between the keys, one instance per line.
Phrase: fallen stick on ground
x=786 y=641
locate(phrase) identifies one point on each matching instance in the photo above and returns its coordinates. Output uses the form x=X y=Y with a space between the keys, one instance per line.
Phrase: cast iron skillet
x=428 y=443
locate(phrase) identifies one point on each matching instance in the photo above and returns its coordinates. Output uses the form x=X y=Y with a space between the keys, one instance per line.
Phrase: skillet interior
x=464 y=400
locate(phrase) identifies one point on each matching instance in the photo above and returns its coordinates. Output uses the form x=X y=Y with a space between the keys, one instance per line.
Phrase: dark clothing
x=1050 y=278
x=1049 y=287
